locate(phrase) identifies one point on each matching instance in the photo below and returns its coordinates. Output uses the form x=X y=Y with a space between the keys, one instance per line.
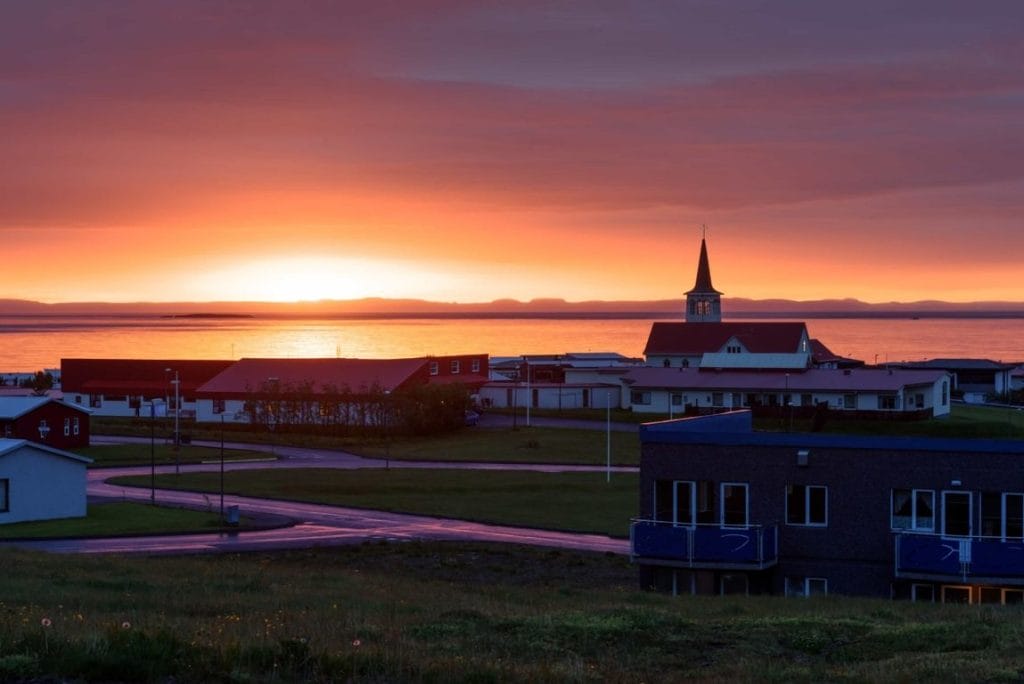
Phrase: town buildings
x=45 y=420
x=38 y=482
x=725 y=509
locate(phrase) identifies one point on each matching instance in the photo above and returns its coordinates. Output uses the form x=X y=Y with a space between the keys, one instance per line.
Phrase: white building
x=674 y=390
x=40 y=483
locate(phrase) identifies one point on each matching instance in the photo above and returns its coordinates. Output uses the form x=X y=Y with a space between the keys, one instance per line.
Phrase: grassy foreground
x=580 y=502
x=457 y=612
x=111 y=519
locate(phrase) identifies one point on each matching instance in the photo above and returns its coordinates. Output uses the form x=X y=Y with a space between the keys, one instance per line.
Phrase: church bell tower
x=703 y=302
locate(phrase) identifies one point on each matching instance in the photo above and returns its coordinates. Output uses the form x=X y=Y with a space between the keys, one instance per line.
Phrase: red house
x=45 y=421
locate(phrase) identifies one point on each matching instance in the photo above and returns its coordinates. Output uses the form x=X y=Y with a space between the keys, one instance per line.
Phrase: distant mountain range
x=507 y=308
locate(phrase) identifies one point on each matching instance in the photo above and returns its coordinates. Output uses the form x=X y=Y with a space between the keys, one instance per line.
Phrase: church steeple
x=703 y=302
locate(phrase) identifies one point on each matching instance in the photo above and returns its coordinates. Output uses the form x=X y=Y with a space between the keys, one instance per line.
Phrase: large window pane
x=3 y=495
x=1014 y=516
x=902 y=509
x=734 y=504
x=684 y=503
x=794 y=505
x=817 y=506
x=925 y=510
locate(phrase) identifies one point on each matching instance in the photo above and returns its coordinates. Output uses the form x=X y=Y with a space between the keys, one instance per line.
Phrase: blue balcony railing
x=708 y=546
x=966 y=558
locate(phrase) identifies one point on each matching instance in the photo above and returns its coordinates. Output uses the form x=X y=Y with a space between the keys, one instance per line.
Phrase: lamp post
x=529 y=393
x=608 y=432
x=789 y=407
x=152 y=452
x=177 y=414
x=222 y=468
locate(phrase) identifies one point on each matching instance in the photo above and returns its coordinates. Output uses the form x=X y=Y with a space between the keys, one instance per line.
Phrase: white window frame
x=434 y=368
x=455 y=366
x=970 y=513
x=675 y=502
x=970 y=594
x=67 y=427
x=807 y=506
x=914 y=527
x=640 y=398
x=1005 y=591
x=1002 y=514
x=76 y=426
x=474 y=366
x=746 y=501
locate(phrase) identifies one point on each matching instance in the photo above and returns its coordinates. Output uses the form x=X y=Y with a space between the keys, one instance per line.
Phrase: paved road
x=316 y=524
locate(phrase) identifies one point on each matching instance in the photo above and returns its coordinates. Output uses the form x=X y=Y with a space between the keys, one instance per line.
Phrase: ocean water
x=33 y=342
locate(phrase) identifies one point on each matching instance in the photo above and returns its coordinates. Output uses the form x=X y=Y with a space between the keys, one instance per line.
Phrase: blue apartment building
x=725 y=509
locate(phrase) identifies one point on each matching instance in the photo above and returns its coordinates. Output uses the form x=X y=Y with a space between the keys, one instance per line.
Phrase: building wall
x=507 y=395
x=42 y=486
x=61 y=422
x=854 y=552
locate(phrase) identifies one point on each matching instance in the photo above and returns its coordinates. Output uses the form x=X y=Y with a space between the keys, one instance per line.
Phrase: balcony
x=753 y=547
x=932 y=556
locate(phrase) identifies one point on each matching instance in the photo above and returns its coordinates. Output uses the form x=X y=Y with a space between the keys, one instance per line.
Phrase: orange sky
x=169 y=151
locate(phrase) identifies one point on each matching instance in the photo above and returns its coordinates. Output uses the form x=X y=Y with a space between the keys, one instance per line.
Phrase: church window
x=666 y=363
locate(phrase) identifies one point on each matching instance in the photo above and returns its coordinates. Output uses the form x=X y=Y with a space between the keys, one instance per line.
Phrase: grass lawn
x=109 y=519
x=581 y=502
x=504 y=445
x=139 y=454
x=440 y=612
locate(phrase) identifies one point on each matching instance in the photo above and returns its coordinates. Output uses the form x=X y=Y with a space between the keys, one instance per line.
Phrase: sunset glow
x=210 y=151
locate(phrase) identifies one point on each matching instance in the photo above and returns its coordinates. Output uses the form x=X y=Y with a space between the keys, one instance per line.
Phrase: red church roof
x=250 y=375
x=708 y=338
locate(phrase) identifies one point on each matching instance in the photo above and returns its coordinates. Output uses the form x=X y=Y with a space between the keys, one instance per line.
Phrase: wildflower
x=357 y=643
x=126 y=625
x=45 y=622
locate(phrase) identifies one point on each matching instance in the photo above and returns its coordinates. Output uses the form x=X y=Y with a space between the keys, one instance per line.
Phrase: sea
x=29 y=343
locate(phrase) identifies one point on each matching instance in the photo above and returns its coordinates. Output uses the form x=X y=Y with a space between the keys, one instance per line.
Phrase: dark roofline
x=703 y=284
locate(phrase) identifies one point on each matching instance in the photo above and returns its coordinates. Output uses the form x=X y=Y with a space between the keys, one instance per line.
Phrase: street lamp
x=222 y=468
x=177 y=414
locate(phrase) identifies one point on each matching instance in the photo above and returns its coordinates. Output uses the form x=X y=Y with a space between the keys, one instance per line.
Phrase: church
x=704 y=341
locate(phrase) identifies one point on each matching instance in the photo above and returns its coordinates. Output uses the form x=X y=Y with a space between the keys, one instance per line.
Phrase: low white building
x=674 y=390
x=40 y=483
x=550 y=395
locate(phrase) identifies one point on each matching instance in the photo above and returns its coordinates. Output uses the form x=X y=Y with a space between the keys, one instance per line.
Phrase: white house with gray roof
x=38 y=482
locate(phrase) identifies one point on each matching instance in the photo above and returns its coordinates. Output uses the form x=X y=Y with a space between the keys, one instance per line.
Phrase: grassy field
x=164 y=454
x=457 y=612
x=581 y=502
x=110 y=519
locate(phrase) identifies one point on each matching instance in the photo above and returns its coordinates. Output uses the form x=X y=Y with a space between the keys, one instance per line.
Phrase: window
x=733 y=349
x=96 y=401
x=956 y=514
x=734 y=504
x=675 y=501
x=218 y=406
x=886 y=402
x=922 y=592
x=1013 y=597
x=849 y=401
x=953 y=594
x=433 y=367
x=641 y=398
x=807 y=505
x=677 y=399
x=717 y=399
x=76 y=427
x=919 y=400
x=78 y=398
x=806 y=399
x=666 y=363
x=474 y=366
x=913 y=509
x=5 y=503
x=945 y=393
x=455 y=366
x=806 y=586
x=67 y=427
x=8 y=430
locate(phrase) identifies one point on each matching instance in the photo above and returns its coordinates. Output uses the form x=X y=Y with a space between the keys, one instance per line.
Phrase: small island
x=208 y=315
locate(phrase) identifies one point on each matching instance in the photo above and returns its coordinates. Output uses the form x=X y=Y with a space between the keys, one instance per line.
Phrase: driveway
x=315 y=524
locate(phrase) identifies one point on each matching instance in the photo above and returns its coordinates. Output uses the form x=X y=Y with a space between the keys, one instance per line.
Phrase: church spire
x=703 y=302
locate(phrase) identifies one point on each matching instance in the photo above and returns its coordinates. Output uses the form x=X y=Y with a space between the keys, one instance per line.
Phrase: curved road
x=317 y=524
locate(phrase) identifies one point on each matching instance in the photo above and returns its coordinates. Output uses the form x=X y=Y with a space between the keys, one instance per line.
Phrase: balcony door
x=956 y=514
x=735 y=504
x=1013 y=516
x=675 y=501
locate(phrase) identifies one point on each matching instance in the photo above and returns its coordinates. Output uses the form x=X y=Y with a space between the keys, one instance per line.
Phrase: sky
x=469 y=151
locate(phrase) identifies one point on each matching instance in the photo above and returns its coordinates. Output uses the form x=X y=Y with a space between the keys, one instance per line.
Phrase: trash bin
x=231 y=516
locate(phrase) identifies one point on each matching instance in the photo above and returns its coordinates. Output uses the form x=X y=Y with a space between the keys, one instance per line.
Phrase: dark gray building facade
x=725 y=509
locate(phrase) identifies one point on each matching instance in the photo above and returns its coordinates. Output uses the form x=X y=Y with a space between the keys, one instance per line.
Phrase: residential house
x=44 y=420
x=38 y=482
x=977 y=380
x=725 y=509
x=543 y=381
